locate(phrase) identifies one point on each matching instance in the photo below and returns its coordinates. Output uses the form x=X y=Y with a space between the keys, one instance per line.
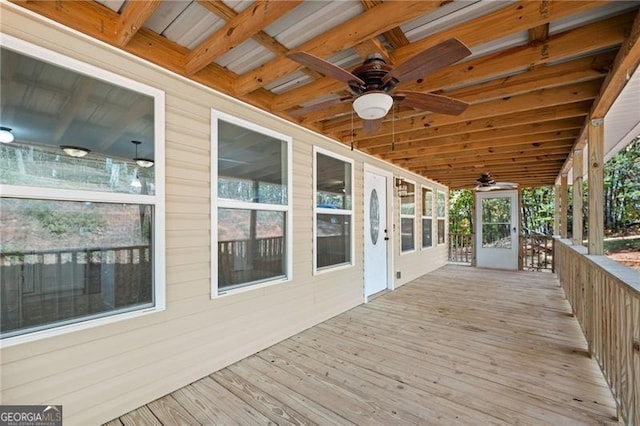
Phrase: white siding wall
x=103 y=372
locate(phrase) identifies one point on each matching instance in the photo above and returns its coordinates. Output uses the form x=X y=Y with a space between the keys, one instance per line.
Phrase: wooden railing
x=243 y=261
x=536 y=252
x=460 y=248
x=605 y=298
x=45 y=286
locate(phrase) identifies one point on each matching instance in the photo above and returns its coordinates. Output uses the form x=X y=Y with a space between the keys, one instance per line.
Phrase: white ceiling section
x=622 y=122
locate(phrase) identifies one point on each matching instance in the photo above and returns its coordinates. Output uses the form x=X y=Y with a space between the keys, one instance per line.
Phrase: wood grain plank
x=458 y=345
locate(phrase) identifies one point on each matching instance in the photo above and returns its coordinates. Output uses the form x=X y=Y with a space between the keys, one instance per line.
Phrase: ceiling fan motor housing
x=372 y=71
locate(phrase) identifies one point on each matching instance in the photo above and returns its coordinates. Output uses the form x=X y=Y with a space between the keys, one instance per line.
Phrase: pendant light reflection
x=75 y=151
x=6 y=136
x=142 y=162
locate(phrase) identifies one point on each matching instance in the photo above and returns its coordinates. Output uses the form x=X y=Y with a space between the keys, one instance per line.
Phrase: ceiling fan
x=373 y=83
x=487 y=183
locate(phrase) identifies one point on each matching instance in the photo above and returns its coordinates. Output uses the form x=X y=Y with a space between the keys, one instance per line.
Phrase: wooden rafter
x=243 y=26
x=363 y=27
x=395 y=36
x=133 y=17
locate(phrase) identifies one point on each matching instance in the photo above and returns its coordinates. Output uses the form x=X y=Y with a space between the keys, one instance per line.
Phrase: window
x=427 y=215
x=496 y=222
x=251 y=204
x=81 y=219
x=441 y=217
x=407 y=216
x=334 y=210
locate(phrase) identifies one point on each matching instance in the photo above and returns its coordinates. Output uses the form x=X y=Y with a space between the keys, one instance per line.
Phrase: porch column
x=595 y=199
x=563 y=205
x=577 y=197
x=556 y=210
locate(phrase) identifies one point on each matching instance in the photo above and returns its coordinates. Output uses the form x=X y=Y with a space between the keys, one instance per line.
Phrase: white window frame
x=57 y=194
x=423 y=217
x=225 y=203
x=409 y=216
x=340 y=212
x=438 y=217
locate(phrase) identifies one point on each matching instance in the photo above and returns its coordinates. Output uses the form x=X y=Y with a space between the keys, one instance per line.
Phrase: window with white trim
x=407 y=217
x=441 y=207
x=333 y=228
x=251 y=204
x=82 y=206
x=427 y=217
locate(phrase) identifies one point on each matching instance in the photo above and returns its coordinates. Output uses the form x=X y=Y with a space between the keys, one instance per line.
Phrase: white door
x=376 y=237
x=497 y=230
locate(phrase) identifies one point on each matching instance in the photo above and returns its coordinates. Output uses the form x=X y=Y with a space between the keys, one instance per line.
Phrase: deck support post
x=556 y=210
x=578 y=172
x=595 y=199
x=563 y=205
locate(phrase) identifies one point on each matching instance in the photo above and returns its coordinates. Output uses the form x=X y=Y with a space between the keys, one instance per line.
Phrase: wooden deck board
x=459 y=345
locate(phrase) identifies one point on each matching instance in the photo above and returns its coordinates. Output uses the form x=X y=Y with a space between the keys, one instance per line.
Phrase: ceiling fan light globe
x=372 y=106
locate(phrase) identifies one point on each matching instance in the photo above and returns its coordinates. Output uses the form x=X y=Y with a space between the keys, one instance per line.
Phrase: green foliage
x=622 y=188
x=537 y=210
x=460 y=211
x=59 y=222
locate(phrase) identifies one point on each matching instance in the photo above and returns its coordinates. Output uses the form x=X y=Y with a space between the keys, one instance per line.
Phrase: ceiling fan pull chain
x=393 y=128
x=352 y=130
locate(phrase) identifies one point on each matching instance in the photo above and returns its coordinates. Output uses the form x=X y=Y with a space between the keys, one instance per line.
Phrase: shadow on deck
x=459 y=345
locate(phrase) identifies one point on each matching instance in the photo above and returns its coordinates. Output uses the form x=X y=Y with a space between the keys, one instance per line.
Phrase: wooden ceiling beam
x=490 y=139
x=444 y=146
x=520 y=58
x=133 y=17
x=578 y=70
x=373 y=46
x=395 y=36
x=575 y=42
x=577 y=109
x=513 y=18
x=358 y=29
x=490 y=162
x=550 y=147
x=512 y=172
x=242 y=27
x=538 y=99
x=625 y=64
x=468 y=161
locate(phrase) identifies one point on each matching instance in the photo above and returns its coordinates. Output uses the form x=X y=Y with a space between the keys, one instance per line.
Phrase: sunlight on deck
x=459 y=345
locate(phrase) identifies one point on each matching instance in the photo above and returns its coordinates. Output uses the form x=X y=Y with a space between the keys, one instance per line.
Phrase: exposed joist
x=611 y=33
x=469 y=34
x=358 y=29
x=540 y=115
x=395 y=36
x=133 y=17
x=625 y=64
x=453 y=144
x=243 y=26
x=538 y=99
x=520 y=16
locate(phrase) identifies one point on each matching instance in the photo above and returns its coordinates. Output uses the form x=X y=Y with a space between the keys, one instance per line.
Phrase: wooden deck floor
x=457 y=346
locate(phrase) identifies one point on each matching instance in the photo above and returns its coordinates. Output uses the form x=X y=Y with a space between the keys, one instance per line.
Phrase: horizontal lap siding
x=103 y=372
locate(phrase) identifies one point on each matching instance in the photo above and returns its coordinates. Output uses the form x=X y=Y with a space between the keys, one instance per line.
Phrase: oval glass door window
x=374 y=216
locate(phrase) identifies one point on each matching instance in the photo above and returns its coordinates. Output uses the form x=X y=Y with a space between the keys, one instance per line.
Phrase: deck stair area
x=457 y=346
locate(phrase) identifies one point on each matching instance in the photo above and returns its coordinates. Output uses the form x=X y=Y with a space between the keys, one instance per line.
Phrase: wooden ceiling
x=538 y=70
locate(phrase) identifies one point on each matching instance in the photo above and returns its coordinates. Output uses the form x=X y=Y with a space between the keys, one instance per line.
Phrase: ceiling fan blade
x=429 y=60
x=371 y=126
x=324 y=67
x=434 y=103
x=508 y=185
x=319 y=106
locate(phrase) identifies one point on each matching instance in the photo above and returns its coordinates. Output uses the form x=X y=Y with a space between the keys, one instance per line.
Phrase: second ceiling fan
x=373 y=83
